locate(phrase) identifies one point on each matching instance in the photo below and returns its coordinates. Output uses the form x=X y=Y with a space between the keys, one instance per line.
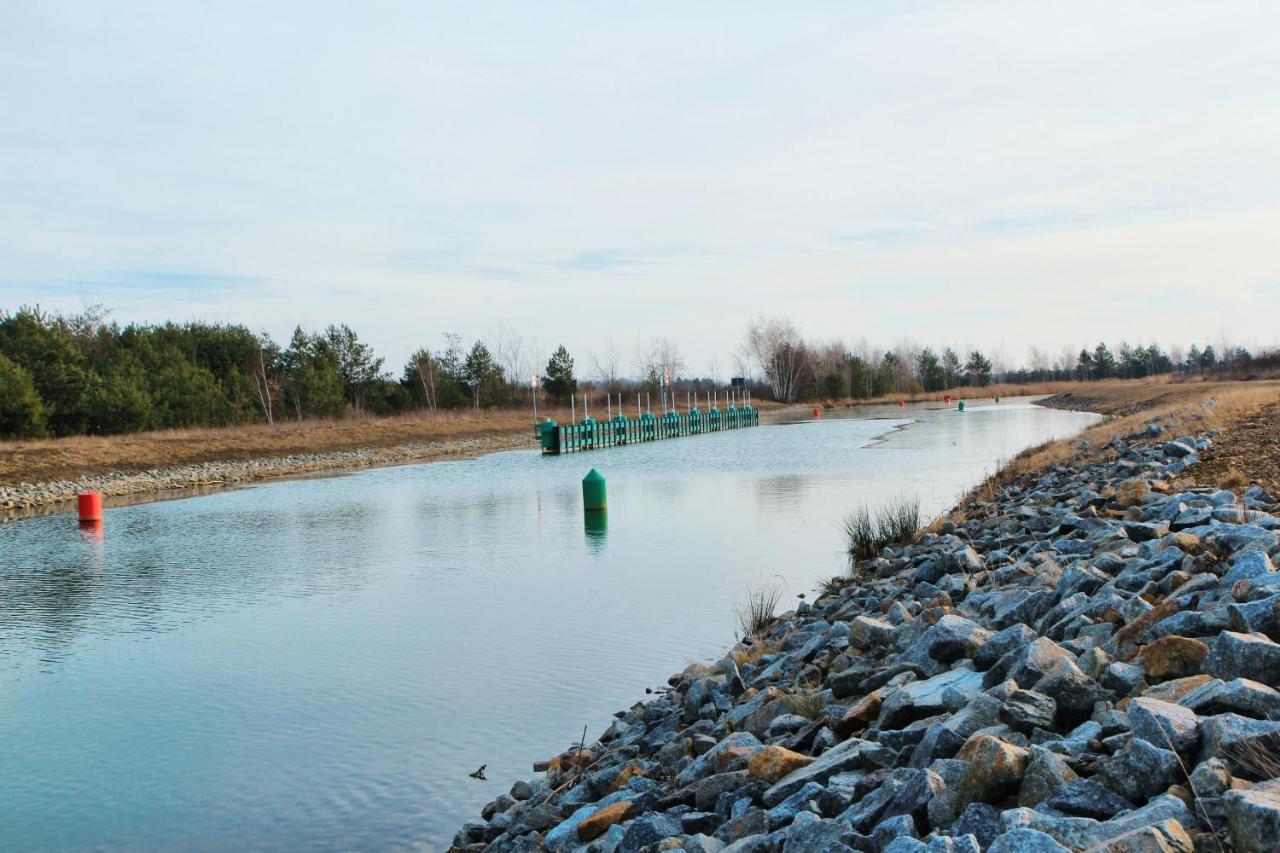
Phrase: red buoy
x=901 y=404
x=90 y=505
x=817 y=412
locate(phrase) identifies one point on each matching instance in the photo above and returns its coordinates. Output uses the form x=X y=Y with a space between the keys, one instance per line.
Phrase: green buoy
x=962 y=405
x=594 y=498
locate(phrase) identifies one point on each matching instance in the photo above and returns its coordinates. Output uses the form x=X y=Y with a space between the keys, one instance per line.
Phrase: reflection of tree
x=779 y=489
x=158 y=570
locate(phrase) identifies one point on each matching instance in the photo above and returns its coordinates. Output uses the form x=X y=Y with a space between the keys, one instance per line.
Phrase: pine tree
x=21 y=410
x=559 y=381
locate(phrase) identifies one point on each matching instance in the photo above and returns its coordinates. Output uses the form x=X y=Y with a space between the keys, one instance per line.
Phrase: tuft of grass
x=806 y=703
x=1233 y=479
x=895 y=523
x=900 y=520
x=759 y=612
x=862 y=534
x=1257 y=758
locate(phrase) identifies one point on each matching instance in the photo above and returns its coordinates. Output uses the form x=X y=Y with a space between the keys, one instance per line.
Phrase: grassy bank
x=1128 y=406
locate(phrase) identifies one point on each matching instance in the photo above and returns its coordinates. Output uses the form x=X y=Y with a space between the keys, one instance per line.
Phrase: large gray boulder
x=1237 y=655
x=1253 y=817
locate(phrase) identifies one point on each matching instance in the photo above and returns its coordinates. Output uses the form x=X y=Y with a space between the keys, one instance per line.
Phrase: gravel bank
x=1086 y=661
x=14 y=500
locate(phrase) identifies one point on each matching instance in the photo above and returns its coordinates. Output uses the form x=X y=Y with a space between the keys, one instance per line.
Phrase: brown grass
x=1129 y=406
x=68 y=458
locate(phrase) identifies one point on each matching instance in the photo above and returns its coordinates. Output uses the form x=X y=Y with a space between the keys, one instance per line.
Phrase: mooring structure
x=589 y=433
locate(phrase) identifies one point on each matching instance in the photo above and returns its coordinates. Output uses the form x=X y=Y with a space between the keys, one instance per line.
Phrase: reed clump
x=759 y=612
x=867 y=533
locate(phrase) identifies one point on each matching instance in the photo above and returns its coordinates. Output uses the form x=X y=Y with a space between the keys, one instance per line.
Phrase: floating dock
x=591 y=434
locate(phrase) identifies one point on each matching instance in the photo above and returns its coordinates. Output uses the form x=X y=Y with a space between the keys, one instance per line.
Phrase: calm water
x=320 y=663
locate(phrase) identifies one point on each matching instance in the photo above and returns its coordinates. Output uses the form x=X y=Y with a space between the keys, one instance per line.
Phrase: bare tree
x=264 y=383
x=607 y=365
x=775 y=346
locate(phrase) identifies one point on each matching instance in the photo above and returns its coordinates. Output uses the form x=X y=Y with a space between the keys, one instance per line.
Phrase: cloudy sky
x=1000 y=174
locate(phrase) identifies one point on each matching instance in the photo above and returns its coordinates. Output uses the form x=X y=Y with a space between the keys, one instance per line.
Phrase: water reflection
x=319 y=664
x=596 y=527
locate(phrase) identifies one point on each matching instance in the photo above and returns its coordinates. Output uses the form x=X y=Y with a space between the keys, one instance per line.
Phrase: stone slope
x=1087 y=662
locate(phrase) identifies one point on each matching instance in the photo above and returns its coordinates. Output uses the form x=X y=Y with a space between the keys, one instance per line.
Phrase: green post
x=593 y=492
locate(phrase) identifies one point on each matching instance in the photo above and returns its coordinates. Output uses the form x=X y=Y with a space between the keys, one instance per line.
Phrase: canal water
x=321 y=663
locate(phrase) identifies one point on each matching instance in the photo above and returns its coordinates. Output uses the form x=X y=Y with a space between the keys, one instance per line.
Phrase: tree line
x=794 y=369
x=84 y=375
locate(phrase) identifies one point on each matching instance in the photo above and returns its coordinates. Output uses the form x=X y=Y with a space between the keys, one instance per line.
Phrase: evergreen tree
x=559 y=381
x=932 y=375
x=1104 y=363
x=355 y=362
x=951 y=368
x=479 y=372
x=21 y=409
x=978 y=369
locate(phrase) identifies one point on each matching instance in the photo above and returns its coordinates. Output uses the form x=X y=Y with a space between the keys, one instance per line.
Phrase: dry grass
x=759 y=612
x=1233 y=479
x=67 y=458
x=1129 y=406
x=805 y=703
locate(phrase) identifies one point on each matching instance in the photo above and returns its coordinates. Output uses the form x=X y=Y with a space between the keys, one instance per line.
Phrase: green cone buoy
x=594 y=498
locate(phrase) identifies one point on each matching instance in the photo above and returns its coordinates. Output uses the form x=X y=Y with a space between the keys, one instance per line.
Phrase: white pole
x=573 y=409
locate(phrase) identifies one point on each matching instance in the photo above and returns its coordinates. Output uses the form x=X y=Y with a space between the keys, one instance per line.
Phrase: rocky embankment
x=26 y=496
x=1087 y=661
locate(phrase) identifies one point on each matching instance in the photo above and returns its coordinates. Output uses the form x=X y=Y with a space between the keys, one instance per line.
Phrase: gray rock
x=838 y=759
x=646 y=830
x=1080 y=833
x=1177 y=450
x=1139 y=771
x=1025 y=710
x=1164 y=723
x=1240 y=695
x=1025 y=840
x=1236 y=655
x=899 y=826
x=1000 y=644
x=1253 y=817
x=961 y=844
x=811 y=834
x=1247 y=566
x=802 y=800
x=905 y=844
x=980 y=820
x=1234 y=738
x=1261 y=616
x=1122 y=678
x=1027 y=664
x=1072 y=690
x=1145 y=531
x=1087 y=798
x=1046 y=773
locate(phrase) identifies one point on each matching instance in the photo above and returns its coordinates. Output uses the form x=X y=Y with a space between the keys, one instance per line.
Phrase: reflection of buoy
x=90 y=506
x=817 y=413
x=594 y=498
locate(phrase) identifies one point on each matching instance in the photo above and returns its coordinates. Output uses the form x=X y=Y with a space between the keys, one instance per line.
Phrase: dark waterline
x=320 y=663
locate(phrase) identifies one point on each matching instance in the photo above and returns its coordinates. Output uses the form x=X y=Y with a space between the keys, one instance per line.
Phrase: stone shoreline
x=1086 y=660
x=14 y=500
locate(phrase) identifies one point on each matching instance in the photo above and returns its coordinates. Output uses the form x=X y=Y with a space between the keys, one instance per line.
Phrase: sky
x=995 y=174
